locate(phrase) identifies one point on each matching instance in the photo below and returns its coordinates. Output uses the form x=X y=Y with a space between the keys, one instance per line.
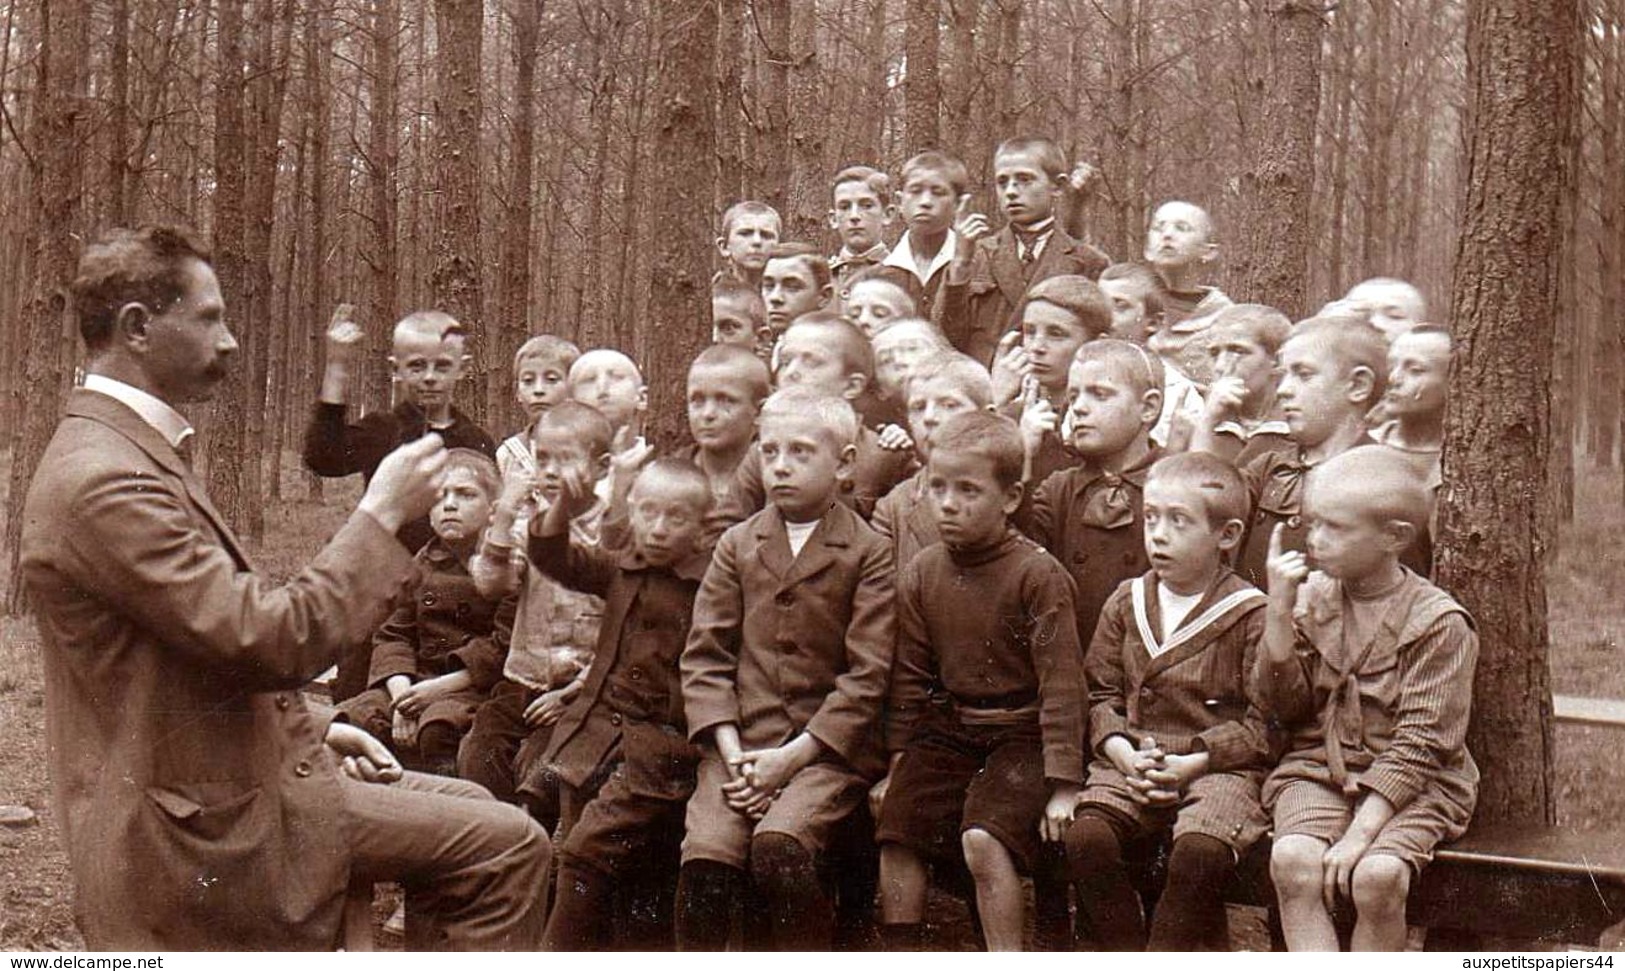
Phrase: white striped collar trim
x=1189 y=630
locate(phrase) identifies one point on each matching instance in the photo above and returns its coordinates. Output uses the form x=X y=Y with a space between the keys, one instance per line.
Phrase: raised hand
x=407 y=482
x=970 y=226
x=894 y=438
x=1009 y=365
x=344 y=336
x=1284 y=569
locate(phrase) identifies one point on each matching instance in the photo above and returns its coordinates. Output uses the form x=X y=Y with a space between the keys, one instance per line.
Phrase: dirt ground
x=1586 y=586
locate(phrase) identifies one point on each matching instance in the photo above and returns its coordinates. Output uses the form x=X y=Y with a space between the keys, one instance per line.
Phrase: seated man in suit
x=199 y=804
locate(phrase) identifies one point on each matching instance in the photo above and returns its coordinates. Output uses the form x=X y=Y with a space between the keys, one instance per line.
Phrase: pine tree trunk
x=383 y=155
x=513 y=311
x=730 y=105
x=1274 y=261
x=1495 y=518
x=922 y=90
x=807 y=200
x=773 y=132
x=457 y=279
x=55 y=177
x=684 y=155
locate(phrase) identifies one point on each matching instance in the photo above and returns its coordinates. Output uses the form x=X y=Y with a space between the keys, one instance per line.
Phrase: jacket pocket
x=209 y=811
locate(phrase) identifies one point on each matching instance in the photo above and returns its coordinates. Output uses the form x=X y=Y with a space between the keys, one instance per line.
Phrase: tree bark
x=1495 y=518
x=383 y=155
x=807 y=200
x=56 y=177
x=458 y=280
x=922 y=90
x=684 y=155
x=773 y=108
x=513 y=311
x=1274 y=254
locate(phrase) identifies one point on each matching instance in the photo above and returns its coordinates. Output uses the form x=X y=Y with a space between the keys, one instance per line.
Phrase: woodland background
x=559 y=166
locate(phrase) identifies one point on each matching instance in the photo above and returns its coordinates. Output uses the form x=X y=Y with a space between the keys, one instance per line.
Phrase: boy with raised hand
x=937 y=389
x=861 y=213
x=555 y=629
x=1089 y=516
x=784 y=677
x=988 y=278
x=1241 y=418
x=749 y=230
x=795 y=281
x=1180 y=245
x=739 y=317
x=1331 y=373
x=440 y=652
x=824 y=354
x=986 y=707
x=428 y=355
x=1179 y=745
x=934 y=193
x=620 y=750
x=726 y=388
x=1369 y=669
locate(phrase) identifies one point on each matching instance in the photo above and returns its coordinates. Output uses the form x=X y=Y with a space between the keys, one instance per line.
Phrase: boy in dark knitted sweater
x=986 y=709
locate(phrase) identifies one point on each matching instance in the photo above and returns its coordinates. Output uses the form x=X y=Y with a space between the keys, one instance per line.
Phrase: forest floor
x=1586 y=587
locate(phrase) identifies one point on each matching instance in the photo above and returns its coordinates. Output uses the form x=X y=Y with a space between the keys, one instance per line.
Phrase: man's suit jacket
x=982 y=309
x=197 y=799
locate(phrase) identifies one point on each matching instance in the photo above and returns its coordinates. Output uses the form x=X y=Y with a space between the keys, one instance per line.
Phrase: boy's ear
x=1362 y=386
x=1012 y=498
x=1210 y=252
x=847 y=462
x=888 y=213
x=1230 y=534
x=856 y=383
x=643 y=398
x=827 y=291
x=1151 y=407
x=834 y=221
x=600 y=466
x=1400 y=534
x=722 y=246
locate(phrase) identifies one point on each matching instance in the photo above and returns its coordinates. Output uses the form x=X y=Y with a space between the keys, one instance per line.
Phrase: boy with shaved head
x=428 y=352
x=1180 y=245
x=1369 y=669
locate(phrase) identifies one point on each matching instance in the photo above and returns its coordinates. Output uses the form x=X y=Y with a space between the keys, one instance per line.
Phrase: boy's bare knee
x=1296 y=867
x=984 y=854
x=1381 y=883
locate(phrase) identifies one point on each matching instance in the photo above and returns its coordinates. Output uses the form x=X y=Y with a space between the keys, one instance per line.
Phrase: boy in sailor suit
x=1178 y=744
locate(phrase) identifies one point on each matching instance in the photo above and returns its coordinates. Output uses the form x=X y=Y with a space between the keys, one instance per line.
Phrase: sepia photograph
x=812 y=476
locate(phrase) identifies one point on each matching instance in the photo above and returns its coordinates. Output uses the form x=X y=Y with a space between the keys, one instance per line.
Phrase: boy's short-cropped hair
x=951 y=169
x=547 y=350
x=752 y=370
x=1354 y=343
x=960 y=370
x=1385 y=481
x=1262 y=325
x=816 y=262
x=733 y=288
x=583 y=423
x=431 y=323
x=747 y=207
x=687 y=475
x=477 y=464
x=835 y=414
x=875 y=180
x=1143 y=370
x=1044 y=151
x=982 y=433
x=857 y=354
x=1144 y=279
x=1224 y=493
x=1077 y=295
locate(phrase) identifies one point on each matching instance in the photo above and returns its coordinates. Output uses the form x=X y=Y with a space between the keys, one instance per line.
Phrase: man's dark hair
x=145 y=265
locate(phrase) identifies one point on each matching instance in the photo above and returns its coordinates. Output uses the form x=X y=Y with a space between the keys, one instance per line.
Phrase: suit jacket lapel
x=1005 y=265
x=115 y=415
x=773 y=542
x=1049 y=262
x=833 y=532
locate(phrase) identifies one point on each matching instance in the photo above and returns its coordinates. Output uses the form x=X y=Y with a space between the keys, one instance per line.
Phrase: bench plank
x=1588 y=711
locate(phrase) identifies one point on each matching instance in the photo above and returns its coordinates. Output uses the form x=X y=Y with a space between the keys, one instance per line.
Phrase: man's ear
x=130 y=325
x=1362 y=386
x=1230 y=534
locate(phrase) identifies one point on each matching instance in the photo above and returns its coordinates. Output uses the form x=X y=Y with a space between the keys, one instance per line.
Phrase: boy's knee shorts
x=953 y=777
x=616 y=830
x=1224 y=806
x=1309 y=807
x=811 y=803
x=373 y=710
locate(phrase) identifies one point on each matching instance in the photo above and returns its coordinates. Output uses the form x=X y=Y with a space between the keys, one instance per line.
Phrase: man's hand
x=549 y=708
x=1285 y=570
x=1337 y=866
x=406 y=484
x=361 y=756
x=1058 y=812
x=894 y=438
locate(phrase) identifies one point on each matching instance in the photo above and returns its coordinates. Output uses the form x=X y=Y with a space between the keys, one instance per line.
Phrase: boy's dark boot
x=706 y=892
x=582 y=911
x=1191 y=916
x=1106 y=896
x=802 y=917
x=902 y=937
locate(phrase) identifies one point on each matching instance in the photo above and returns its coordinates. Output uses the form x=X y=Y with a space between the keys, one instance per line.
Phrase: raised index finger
x=1275 y=540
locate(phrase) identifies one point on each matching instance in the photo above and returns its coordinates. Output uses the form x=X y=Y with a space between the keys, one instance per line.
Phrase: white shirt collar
x=902 y=256
x=165 y=420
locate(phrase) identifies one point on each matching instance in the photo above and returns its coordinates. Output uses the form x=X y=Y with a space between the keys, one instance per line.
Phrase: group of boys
x=988 y=552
